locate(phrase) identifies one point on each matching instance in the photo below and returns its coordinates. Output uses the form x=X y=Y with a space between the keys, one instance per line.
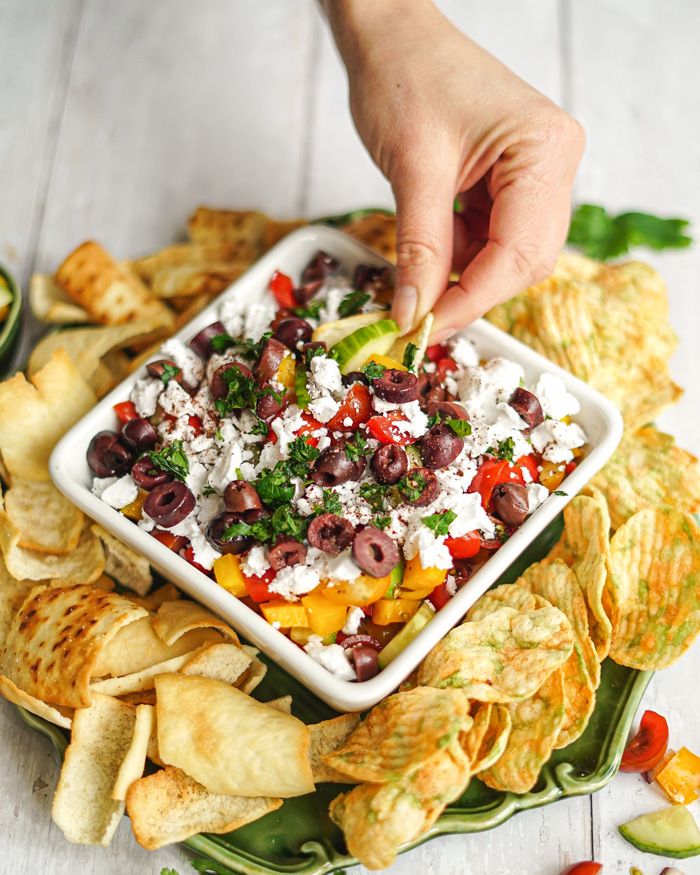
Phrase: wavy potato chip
x=402 y=733
x=535 y=728
x=495 y=739
x=177 y=617
x=124 y=564
x=326 y=738
x=655 y=588
x=504 y=657
x=470 y=741
x=47 y=521
x=505 y=595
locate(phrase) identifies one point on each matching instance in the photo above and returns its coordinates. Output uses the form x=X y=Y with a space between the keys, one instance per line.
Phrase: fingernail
x=442 y=335
x=404 y=309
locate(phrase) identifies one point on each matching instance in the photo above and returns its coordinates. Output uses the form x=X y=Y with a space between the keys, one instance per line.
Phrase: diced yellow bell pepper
x=394 y=611
x=324 y=616
x=285 y=613
x=680 y=777
x=386 y=362
x=287 y=371
x=228 y=574
x=419 y=578
x=363 y=590
x=133 y=510
x=414 y=594
x=552 y=474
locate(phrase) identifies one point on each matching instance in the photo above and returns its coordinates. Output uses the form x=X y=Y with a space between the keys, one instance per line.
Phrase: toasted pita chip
x=242 y=230
x=168 y=592
x=124 y=564
x=170 y=807
x=327 y=737
x=140 y=680
x=47 y=521
x=188 y=281
x=49 y=304
x=377 y=230
x=12 y=593
x=175 y=618
x=276 y=229
x=254 y=674
x=419 y=337
x=495 y=739
x=114 y=367
x=134 y=761
x=33 y=416
x=30 y=703
x=83 y=807
x=283 y=703
x=195 y=716
x=223 y=662
x=140 y=697
x=56 y=638
x=182 y=255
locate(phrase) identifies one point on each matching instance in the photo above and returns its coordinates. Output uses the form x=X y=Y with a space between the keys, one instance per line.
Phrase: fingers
x=424 y=244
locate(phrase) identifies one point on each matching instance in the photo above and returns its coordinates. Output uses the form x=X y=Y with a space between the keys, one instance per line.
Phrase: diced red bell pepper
x=492 y=472
x=439 y=597
x=258 y=587
x=310 y=424
x=172 y=542
x=589 y=867
x=648 y=746
x=570 y=466
x=384 y=429
x=445 y=366
x=126 y=411
x=282 y=288
x=529 y=462
x=436 y=352
x=188 y=553
x=196 y=424
x=357 y=407
x=464 y=547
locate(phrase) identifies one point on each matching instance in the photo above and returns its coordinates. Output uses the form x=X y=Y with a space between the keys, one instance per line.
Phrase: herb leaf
x=373 y=370
x=242 y=391
x=330 y=503
x=409 y=355
x=356 y=448
x=301 y=455
x=411 y=485
x=504 y=450
x=170 y=372
x=172 y=459
x=311 y=311
x=381 y=522
x=222 y=342
x=311 y=353
x=352 y=303
x=440 y=522
x=560 y=492
x=374 y=494
x=273 y=485
x=461 y=427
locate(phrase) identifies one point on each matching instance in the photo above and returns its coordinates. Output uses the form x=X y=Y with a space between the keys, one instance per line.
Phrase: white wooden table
x=117 y=118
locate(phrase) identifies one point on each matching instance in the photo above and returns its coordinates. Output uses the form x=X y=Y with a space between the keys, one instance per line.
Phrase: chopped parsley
x=208 y=490
x=170 y=372
x=172 y=459
x=259 y=427
x=381 y=522
x=411 y=485
x=311 y=311
x=356 y=448
x=311 y=353
x=283 y=522
x=222 y=342
x=560 y=492
x=374 y=494
x=242 y=391
x=504 y=450
x=273 y=485
x=373 y=370
x=461 y=427
x=330 y=503
x=352 y=303
x=301 y=455
x=218 y=435
x=440 y=522
x=409 y=355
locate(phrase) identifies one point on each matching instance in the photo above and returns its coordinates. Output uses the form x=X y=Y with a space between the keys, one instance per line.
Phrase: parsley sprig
x=330 y=503
x=409 y=355
x=172 y=459
x=373 y=370
x=411 y=485
x=283 y=523
x=243 y=392
x=356 y=448
x=374 y=494
x=170 y=372
x=440 y=523
x=504 y=450
x=310 y=311
x=352 y=303
x=461 y=427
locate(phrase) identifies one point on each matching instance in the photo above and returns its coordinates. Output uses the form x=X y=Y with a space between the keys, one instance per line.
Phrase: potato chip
x=175 y=618
x=242 y=230
x=134 y=762
x=49 y=303
x=124 y=564
x=83 y=807
x=495 y=739
x=655 y=588
x=33 y=416
x=505 y=595
x=470 y=741
x=402 y=733
x=170 y=807
x=377 y=230
x=535 y=728
x=504 y=657
x=140 y=680
x=30 y=703
x=47 y=521
x=223 y=662
x=57 y=636
x=648 y=470
x=326 y=738
x=168 y=592
x=195 y=717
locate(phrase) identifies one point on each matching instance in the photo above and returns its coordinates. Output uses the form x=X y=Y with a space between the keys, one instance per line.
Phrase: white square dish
x=70 y=473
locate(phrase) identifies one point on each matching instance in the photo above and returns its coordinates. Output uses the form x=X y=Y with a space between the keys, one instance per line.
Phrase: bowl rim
x=68 y=466
x=8 y=327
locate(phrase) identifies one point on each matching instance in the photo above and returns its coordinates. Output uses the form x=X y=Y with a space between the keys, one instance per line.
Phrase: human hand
x=441 y=118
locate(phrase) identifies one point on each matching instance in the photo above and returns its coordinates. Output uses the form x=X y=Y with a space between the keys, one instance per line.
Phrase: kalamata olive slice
x=435 y=395
x=372 y=279
x=360 y=640
x=158 y=368
x=320 y=267
x=305 y=292
x=510 y=503
x=139 y=434
x=330 y=533
x=268 y=364
x=527 y=407
x=355 y=377
x=169 y=504
x=216 y=530
x=333 y=467
x=398 y=387
x=440 y=446
x=147 y=476
x=292 y=331
x=366 y=662
x=315 y=344
x=108 y=456
x=423 y=384
x=447 y=410
x=241 y=496
x=218 y=383
x=375 y=552
x=201 y=342
x=389 y=464
x=286 y=552
x=269 y=406
x=419 y=487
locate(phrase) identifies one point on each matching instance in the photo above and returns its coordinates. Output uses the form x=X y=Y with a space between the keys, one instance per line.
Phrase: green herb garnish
x=208 y=490
x=352 y=303
x=260 y=427
x=356 y=448
x=273 y=485
x=411 y=485
x=381 y=522
x=330 y=503
x=242 y=391
x=311 y=311
x=409 y=355
x=301 y=455
x=461 y=427
x=560 y=492
x=170 y=372
x=172 y=459
x=283 y=522
x=504 y=450
x=311 y=353
x=253 y=348
x=374 y=494
x=222 y=342
x=440 y=522
x=373 y=370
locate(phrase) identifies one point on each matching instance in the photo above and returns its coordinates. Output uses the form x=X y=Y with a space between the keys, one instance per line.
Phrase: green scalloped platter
x=300 y=838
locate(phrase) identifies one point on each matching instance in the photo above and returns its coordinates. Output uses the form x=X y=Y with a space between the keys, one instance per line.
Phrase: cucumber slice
x=396 y=578
x=415 y=460
x=331 y=332
x=418 y=621
x=302 y=392
x=671 y=832
x=353 y=351
x=419 y=337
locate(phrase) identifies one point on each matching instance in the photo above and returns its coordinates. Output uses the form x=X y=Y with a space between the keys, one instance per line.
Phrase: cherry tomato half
x=126 y=411
x=172 y=542
x=589 y=867
x=282 y=288
x=492 y=472
x=529 y=462
x=188 y=553
x=436 y=352
x=464 y=547
x=648 y=746
x=445 y=366
x=439 y=597
x=384 y=429
x=357 y=407
x=258 y=587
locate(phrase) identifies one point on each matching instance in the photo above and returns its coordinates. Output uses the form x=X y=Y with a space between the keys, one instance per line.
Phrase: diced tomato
x=384 y=429
x=648 y=746
x=589 y=867
x=188 y=553
x=490 y=474
x=282 y=288
x=310 y=424
x=439 y=597
x=126 y=411
x=258 y=587
x=464 y=547
x=436 y=352
x=172 y=542
x=445 y=366
x=357 y=407
x=529 y=462
x=271 y=436
x=570 y=466
x=196 y=424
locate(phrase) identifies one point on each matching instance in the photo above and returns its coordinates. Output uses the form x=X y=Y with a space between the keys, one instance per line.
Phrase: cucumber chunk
x=353 y=351
x=671 y=832
x=418 y=621
x=331 y=332
x=302 y=392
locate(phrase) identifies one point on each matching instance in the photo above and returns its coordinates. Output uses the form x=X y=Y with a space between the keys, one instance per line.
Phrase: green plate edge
x=300 y=837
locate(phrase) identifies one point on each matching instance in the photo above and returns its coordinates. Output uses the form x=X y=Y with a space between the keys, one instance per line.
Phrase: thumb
x=423 y=245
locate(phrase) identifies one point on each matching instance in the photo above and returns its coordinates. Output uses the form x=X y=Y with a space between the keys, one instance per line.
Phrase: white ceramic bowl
x=71 y=475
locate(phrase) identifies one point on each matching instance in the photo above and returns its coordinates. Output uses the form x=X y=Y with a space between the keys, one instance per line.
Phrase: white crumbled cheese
x=555 y=440
x=355 y=508
x=324 y=408
x=471 y=517
x=208 y=506
x=144 y=395
x=120 y=493
x=293 y=581
x=334 y=294
x=99 y=484
x=554 y=398
x=525 y=473
x=241 y=318
x=197 y=477
x=347 y=422
x=352 y=621
x=255 y=562
x=423 y=542
x=451 y=585
x=285 y=428
x=190 y=364
x=343 y=567
x=416 y=424
x=203 y=552
x=225 y=469
x=464 y=352
x=146 y=523
x=536 y=494
x=332 y=657
x=325 y=376
x=176 y=401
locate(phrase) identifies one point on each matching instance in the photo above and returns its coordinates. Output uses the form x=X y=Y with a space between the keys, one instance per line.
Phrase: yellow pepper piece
x=285 y=613
x=386 y=362
x=414 y=594
x=133 y=510
x=364 y=590
x=323 y=616
x=419 y=578
x=394 y=611
x=227 y=570
x=680 y=777
x=552 y=474
x=286 y=372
